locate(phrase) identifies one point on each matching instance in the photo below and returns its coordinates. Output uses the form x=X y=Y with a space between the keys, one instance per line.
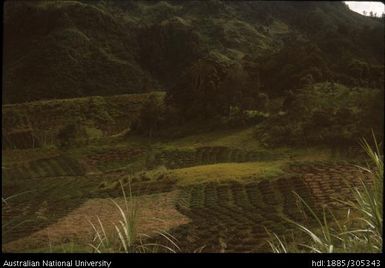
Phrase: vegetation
x=228 y=172
x=360 y=232
x=129 y=241
x=150 y=117
x=325 y=113
x=141 y=46
x=78 y=120
x=208 y=115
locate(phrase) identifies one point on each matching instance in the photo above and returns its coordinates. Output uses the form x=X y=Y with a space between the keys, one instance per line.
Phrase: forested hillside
x=63 y=49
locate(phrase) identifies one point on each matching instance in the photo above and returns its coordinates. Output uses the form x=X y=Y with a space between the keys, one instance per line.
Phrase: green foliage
x=325 y=114
x=112 y=47
x=150 y=117
x=27 y=125
x=195 y=94
x=240 y=118
x=166 y=49
x=67 y=135
x=8 y=227
x=67 y=49
x=210 y=88
x=355 y=234
x=76 y=133
x=97 y=109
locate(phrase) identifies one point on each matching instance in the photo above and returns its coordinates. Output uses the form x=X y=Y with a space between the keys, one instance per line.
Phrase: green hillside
x=83 y=119
x=66 y=49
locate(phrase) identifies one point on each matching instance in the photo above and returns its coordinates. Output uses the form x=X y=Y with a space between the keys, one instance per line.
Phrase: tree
x=195 y=95
x=306 y=80
x=67 y=135
x=289 y=100
x=233 y=88
x=262 y=102
x=150 y=116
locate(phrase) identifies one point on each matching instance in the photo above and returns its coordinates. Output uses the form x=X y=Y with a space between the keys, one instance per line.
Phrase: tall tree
x=150 y=117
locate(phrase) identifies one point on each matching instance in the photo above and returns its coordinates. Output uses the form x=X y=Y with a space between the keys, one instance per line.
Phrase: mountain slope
x=82 y=48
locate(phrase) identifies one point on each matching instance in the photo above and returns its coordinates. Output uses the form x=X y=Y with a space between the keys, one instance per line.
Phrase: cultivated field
x=211 y=192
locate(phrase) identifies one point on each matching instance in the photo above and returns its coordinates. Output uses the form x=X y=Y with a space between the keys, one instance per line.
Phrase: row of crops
x=209 y=155
x=49 y=167
x=234 y=216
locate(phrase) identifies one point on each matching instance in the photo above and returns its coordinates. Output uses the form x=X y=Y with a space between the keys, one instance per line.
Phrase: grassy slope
x=242 y=139
x=227 y=171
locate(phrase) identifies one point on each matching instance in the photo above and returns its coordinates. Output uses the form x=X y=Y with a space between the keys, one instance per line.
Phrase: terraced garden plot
x=232 y=216
x=45 y=167
x=104 y=160
x=224 y=215
x=21 y=139
x=45 y=201
x=122 y=109
x=155 y=212
x=14 y=156
x=329 y=181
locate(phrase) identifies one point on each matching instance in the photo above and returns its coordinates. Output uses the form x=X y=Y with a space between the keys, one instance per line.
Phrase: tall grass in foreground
x=126 y=238
x=12 y=224
x=360 y=231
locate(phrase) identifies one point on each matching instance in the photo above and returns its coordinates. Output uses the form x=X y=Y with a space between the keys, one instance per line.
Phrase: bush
x=74 y=133
x=67 y=135
x=151 y=117
x=320 y=115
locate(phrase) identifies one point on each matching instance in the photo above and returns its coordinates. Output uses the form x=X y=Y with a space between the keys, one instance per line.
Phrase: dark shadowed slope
x=81 y=48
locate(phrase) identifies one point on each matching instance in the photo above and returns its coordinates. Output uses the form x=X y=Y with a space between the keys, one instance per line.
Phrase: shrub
x=318 y=115
x=67 y=135
x=151 y=117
